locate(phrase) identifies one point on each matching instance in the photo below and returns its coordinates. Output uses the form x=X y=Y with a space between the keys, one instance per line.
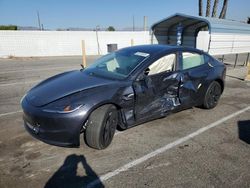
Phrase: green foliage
x=8 y=27
x=111 y=28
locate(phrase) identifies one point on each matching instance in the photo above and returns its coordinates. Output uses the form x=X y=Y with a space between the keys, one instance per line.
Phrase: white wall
x=229 y=43
x=68 y=43
x=202 y=40
x=223 y=43
x=64 y=43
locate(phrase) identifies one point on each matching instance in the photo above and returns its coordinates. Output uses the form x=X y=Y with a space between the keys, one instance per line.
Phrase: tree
x=111 y=28
x=200 y=8
x=215 y=7
x=224 y=10
x=8 y=27
x=208 y=8
x=248 y=20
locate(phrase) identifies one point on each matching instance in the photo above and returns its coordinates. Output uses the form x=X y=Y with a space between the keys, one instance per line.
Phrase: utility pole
x=145 y=23
x=133 y=23
x=97 y=28
x=38 y=18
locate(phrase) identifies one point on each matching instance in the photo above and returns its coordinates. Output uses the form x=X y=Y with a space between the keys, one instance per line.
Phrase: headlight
x=64 y=109
x=65 y=105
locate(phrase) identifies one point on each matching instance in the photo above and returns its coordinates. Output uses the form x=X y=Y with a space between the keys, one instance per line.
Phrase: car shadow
x=66 y=176
x=244 y=131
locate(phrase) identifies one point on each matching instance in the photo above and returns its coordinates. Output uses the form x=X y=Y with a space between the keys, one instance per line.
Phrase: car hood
x=63 y=85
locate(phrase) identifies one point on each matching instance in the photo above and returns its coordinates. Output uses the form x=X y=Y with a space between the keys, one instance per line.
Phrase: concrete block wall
x=64 y=43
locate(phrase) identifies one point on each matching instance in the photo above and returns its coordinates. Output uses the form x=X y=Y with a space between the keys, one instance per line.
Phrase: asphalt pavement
x=191 y=148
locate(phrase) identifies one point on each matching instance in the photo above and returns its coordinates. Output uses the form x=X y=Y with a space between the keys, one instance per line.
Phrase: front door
x=158 y=89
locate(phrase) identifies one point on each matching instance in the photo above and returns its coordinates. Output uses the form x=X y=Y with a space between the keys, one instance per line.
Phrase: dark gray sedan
x=120 y=90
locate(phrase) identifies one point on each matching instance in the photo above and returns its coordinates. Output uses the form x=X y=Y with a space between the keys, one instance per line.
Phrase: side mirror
x=146 y=72
x=82 y=66
x=143 y=75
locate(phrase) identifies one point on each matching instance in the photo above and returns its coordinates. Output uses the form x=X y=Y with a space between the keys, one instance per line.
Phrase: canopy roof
x=193 y=24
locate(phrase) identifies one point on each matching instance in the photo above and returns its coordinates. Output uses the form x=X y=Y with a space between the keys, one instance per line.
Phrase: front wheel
x=212 y=95
x=101 y=127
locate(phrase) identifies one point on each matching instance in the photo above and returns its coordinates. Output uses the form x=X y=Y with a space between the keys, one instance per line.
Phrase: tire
x=101 y=127
x=212 y=95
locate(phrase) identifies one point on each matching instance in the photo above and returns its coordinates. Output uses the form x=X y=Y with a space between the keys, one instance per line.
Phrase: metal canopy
x=192 y=25
x=169 y=25
x=223 y=36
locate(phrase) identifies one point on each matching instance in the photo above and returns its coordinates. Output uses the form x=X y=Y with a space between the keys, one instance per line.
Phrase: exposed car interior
x=163 y=64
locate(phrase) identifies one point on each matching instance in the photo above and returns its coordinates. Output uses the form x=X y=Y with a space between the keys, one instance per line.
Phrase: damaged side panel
x=156 y=95
x=193 y=86
x=127 y=101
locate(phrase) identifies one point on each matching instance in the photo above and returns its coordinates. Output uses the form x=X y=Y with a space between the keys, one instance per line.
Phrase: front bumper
x=54 y=128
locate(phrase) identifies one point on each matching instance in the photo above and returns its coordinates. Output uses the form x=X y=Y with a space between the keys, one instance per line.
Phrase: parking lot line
x=10 y=113
x=163 y=149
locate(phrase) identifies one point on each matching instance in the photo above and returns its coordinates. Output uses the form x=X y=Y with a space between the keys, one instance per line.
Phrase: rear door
x=194 y=69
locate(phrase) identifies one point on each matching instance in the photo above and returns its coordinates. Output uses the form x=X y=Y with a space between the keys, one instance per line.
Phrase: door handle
x=128 y=96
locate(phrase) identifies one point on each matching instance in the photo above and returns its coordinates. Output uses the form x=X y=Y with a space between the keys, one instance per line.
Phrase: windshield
x=117 y=65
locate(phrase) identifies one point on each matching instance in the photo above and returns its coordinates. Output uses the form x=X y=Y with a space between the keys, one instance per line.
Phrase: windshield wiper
x=82 y=67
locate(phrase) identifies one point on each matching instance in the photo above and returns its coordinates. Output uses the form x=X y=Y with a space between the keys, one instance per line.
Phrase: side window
x=163 y=64
x=191 y=59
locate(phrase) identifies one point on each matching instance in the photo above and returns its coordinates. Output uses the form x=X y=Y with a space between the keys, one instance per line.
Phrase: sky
x=118 y=13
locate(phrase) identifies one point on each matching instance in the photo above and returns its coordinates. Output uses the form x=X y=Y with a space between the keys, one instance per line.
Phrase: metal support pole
x=247 y=59
x=222 y=59
x=236 y=59
x=152 y=36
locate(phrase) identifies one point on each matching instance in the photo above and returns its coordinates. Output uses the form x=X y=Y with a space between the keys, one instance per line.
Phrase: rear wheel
x=101 y=127
x=212 y=95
